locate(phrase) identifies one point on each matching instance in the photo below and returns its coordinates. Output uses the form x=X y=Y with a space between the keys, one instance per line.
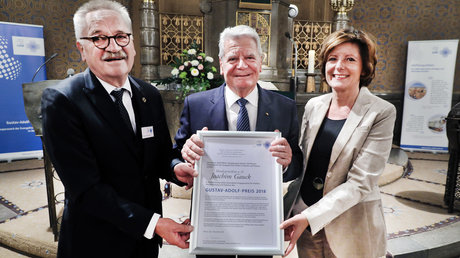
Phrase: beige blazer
x=351 y=210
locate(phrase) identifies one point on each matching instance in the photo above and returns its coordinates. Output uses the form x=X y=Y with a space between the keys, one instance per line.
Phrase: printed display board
x=428 y=94
x=22 y=51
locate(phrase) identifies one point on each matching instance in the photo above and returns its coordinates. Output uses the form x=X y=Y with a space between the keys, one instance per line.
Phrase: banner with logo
x=428 y=94
x=22 y=51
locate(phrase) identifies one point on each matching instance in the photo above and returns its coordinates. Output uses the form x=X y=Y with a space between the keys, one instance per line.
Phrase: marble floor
x=418 y=223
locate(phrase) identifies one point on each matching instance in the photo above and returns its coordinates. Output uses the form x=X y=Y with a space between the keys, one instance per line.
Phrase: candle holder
x=341 y=7
x=324 y=87
x=311 y=86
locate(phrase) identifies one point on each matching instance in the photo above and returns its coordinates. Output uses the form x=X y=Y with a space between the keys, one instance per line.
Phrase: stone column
x=150 y=41
x=278 y=70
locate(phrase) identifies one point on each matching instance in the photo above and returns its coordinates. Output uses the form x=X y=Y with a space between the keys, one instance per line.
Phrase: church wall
x=313 y=10
x=190 y=7
x=393 y=23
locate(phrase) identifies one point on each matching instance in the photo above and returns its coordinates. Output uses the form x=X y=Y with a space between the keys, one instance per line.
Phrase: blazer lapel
x=144 y=118
x=357 y=113
x=106 y=107
x=143 y=112
x=217 y=115
x=264 y=110
x=317 y=117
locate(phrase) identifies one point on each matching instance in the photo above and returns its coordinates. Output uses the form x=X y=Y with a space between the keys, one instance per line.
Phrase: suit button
x=329 y=174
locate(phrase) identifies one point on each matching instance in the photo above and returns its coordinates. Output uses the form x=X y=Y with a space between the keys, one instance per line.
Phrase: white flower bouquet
x=193 y=70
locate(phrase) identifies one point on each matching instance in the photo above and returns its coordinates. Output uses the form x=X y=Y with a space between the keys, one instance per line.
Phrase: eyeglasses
x=102 y=41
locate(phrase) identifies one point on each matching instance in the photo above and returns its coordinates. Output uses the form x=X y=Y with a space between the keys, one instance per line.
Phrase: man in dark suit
x=240 y=57
x=107 y=137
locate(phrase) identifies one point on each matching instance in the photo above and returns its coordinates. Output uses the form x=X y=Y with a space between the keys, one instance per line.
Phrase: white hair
x=79 y=18
x=236 y=32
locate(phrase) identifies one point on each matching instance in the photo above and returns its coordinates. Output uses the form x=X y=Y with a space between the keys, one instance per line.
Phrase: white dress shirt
x=232 y=108
x=127 y=95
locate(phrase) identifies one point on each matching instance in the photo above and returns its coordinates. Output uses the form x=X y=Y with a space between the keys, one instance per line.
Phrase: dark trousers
x=145 y=248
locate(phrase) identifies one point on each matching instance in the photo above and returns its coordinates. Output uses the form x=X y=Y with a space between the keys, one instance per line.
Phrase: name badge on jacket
x=147 y=132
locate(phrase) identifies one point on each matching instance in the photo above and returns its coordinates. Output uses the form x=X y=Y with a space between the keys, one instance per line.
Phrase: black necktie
x=118 y=94
x=242 y=123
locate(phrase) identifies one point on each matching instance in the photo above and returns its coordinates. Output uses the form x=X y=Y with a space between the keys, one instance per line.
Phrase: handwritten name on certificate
x=237 y=197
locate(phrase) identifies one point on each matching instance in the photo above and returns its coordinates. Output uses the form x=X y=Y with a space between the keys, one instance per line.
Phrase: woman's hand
x=185 y=173
x=293 y=228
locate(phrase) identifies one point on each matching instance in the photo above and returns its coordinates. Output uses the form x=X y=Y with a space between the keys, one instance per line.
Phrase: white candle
x=311 y=61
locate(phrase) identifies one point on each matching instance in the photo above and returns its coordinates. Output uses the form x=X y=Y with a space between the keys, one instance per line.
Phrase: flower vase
x=174 y=86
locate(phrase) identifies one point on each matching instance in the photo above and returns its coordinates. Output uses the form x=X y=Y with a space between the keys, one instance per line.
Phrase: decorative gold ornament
x=309 y=35
x=260 y=21
x=342 y=6
x=177 y=33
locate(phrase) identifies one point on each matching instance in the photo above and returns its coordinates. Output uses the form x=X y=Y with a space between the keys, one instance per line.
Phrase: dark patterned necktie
x=242 y=123
x=118 y=94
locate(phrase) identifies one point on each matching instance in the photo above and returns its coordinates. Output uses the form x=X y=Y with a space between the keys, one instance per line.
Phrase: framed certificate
x=237 y=204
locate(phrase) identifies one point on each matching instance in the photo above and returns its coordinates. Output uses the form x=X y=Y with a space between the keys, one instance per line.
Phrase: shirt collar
x=231 y=97
x=109 y=88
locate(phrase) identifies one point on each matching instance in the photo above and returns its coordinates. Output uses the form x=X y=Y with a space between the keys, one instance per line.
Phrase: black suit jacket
x=275 y=111
x=111 y=177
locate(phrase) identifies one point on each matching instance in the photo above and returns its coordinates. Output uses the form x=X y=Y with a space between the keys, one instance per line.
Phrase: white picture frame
x=237 y=203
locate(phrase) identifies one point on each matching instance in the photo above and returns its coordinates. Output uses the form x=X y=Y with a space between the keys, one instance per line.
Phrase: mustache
x=117 y=55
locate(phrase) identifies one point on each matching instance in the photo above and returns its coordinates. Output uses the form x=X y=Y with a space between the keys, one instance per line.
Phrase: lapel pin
x=266 y=114
x=144 y=99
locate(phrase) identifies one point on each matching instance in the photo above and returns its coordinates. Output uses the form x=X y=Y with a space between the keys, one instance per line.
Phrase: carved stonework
x=309 y=36
x=177 y=33
x=261 y=23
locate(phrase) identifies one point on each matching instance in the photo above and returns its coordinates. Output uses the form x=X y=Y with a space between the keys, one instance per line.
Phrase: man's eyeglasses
x=102 y=42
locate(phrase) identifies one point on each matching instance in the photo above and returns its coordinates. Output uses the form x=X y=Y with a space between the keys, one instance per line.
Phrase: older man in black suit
x=107 y=137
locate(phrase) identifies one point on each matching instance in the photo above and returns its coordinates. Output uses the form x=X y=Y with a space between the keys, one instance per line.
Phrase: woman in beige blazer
x=346 y=139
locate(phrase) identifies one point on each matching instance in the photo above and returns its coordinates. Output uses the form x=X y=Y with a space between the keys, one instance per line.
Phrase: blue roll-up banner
x=22 y=51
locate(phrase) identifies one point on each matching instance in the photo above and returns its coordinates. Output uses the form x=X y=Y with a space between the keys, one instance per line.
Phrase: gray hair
x=79 y=18
x=236 y=32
